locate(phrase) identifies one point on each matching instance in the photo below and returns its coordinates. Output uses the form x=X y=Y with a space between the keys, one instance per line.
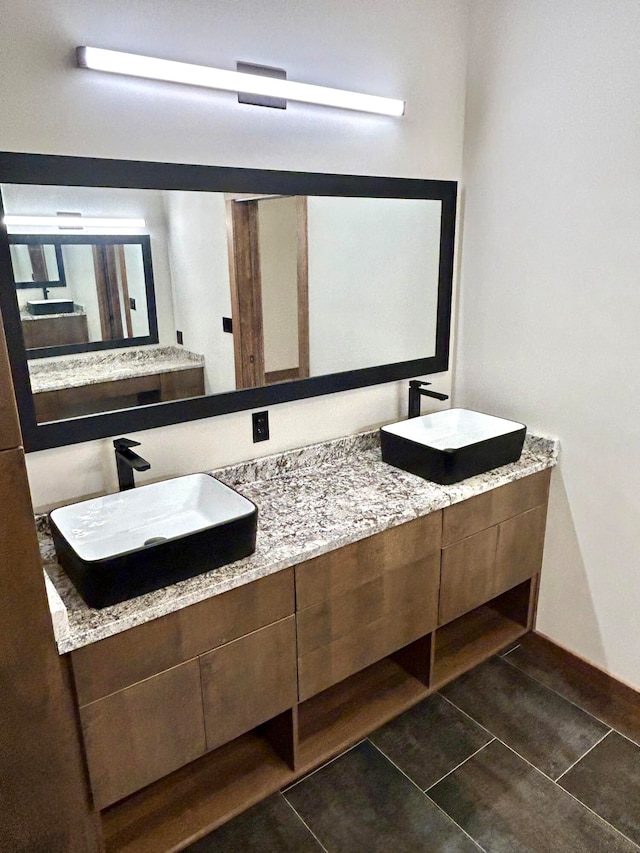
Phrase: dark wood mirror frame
x=83 y=171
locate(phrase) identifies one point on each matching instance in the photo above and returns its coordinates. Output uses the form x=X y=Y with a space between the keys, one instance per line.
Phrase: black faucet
x=417 y=390
x=127 y=462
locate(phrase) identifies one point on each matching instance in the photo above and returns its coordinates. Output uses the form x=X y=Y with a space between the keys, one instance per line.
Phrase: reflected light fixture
x=71 y=221
x=133 y=65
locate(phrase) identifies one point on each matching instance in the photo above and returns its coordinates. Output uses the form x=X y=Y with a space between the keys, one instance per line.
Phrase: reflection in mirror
x=36 y=264
x=226 y=299
x=312 y=285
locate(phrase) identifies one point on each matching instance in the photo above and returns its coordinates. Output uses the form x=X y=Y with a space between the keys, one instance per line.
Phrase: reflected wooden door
x=247 y=302
x=113 y=291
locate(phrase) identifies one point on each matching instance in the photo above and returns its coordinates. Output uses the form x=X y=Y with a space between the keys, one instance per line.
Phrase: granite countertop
x=74 y=371
x=310 y=501
x=78 y=312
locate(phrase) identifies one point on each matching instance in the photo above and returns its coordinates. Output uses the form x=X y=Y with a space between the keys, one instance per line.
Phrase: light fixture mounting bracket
x=261 y=71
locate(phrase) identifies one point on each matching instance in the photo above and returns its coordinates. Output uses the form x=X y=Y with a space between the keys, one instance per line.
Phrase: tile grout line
x=553 y=782
x=453 y=769
x=564 y=790
x=304 y=823
x=316 y=769
x=570 y=701
x=424 y=794
x=571 y=766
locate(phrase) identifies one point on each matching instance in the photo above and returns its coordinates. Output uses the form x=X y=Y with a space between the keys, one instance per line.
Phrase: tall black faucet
x=416 y=391
x=127 y=461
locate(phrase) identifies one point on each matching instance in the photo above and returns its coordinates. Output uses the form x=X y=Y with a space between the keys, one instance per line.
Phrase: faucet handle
x=123 y=443
x=418 y=383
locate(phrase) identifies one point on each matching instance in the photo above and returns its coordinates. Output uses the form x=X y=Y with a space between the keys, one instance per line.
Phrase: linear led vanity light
x=72 y=221
x=133 y=65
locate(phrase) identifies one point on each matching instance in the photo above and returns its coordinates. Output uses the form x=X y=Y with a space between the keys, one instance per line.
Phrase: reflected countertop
x=310 y=501
x=77 y=312
x=74 y=371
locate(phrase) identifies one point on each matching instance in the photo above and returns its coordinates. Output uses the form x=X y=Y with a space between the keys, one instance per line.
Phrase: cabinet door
x=492 y=507
x=351 y=630
x=519 y=549
x=249 y=681
x=140 y=734
x=485 y=565
x=467 y=578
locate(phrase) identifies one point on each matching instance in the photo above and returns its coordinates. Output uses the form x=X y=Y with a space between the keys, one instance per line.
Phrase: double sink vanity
x=369 y=588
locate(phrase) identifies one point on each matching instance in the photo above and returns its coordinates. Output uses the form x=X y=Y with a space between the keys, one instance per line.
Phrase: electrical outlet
x=178 y=336
x=132 y=303
x=227 y=325
x=260 y=426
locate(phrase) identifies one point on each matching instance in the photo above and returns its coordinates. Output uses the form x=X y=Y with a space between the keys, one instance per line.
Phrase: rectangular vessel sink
x=40 y=307
x=123 y=545
x=450 y=446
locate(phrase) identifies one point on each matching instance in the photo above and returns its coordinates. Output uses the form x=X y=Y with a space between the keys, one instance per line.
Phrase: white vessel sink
x=121 y=545
x=450 y=446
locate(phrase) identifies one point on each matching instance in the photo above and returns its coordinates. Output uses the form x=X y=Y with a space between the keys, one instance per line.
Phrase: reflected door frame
x=246 y=294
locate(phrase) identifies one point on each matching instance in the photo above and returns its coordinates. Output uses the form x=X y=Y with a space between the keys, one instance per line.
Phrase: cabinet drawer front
x=519 y=551
x=347 y=633
x=126 y=658
x=467 y=574
x=478 y=513
x=338 y=571
x=140 y=734
x=249 y=681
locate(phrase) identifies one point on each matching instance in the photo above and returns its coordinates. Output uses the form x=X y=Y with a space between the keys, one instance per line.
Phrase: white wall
x=99 y=201
x=550 y=307
x=415 y=49
x=197 y=231
x=373 y=281
x=277 y=236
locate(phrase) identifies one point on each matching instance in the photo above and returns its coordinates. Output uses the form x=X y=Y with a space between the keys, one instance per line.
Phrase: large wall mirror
x=241 y=288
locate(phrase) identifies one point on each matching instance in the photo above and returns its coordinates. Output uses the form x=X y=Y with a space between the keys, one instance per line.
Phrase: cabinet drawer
x=140 y=734
x=483 y=511
x=126 y=658
x=348 y=632
x=338 y=571
x=249 y=681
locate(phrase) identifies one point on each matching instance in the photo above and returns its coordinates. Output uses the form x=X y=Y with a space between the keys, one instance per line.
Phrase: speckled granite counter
x=52 y=374
x=77 y=312
x=310 y=501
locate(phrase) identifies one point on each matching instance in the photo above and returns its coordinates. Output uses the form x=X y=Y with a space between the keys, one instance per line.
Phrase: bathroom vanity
x=369 y=589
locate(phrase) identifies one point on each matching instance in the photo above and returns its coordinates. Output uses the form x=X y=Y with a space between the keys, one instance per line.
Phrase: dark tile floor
x=497 y=761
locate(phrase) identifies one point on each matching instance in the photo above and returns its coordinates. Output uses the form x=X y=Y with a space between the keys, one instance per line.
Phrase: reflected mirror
x=234 y=296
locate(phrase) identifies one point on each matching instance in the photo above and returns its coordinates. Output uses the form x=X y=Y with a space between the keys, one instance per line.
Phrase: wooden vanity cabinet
x=486 y=562
x=365 y=601
x=378 y=626
x=158 y=696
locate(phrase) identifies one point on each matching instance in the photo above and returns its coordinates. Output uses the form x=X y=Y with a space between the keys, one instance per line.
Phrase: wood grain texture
x=350 y=631
x=580 y=682
x=10 y=435
x=519 y=549
x=246 y=292
x=181 y=384
x=468 y=571
x=338 y=571
x=126 y=658
x=55 y=331
x=45 y=802
x=302 y=264
x=478 y=513
x=177 y=810
x=249 y=681
x=340 y=716
x=140 y=734
x=467 y=641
